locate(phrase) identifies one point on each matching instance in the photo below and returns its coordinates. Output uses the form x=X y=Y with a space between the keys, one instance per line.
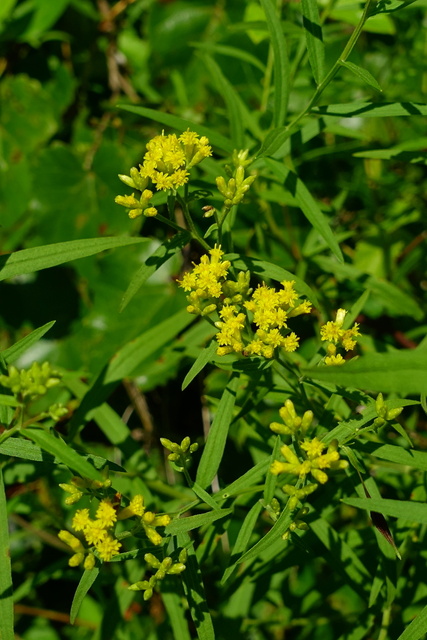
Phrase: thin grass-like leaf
x=172 y=601
x=51 y=255
x=273 y=271
x=86 y=581
x=59 y=449
x=6 y=586
x=243 y=538
x=180 y=124
x=403 y=372
x=203 y=359
x=214 y=448
x=363 y=74
x=15 y=351
x=307 y=204
x=406 y=510
x=373 y=109
x=195 y=592
x=313 y=33
x=417 y=629
x=154 y=262
x=281 y=63
x=232 y=52
x=182 y=525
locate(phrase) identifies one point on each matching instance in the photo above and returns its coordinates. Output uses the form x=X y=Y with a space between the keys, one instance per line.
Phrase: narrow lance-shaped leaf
x=363 y=74
x=373 y=110
x=182 y=525
x=417 y=629
x=203 y=358
x=281 y=63
x=214 y=448
x=403 y=372
x=86 y=581
x=6 y=586
x=15 y=351
x=154 y=262
x=243 y=538
x=195 y=592
x=59 y=449
x=51 y=255
x=406 y=510
x=314 y=37
x=307 y=204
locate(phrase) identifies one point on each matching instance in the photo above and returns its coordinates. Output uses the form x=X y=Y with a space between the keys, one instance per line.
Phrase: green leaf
x=154 y=262
x=50 y=255
x=404 y=372
x=373 y=109
x=6 y=585
x=412 y=151
x=9 y=401
x=410 y=511
x=204 y=496
x=125 y=361
x=307 y=204
x=203 y=358
x=281 y=63
x=314 y=37
x=363 y=74
x=182 y=525
x=387 y=6
x=233 y=52
x=273 y=271
x=20 y=448
x=15 y=351
x=243 y=538
x=392 y=453
x=172 y=601
x=245 y=481
x=180 y=124
x=214 y=448
x=277 y=530
x=195 y=592
x=59 y=449
x=86 y=581
x=238 y=114
x=417 y=628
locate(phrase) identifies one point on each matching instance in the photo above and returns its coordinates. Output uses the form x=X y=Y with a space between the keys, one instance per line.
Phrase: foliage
x=236 y=476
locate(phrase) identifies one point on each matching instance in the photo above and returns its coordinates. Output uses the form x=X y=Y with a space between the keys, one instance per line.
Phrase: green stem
x=6 y=434
x=385 y=622
x=334 y=70
x=170 y=222
x=190 y=224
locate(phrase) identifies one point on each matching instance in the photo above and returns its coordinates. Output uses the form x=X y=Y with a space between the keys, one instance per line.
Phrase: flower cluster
x=334 y=333
x=32 y=382
x=181 y=453
x=166 y=166
x=234 y=190
x=240 y=308
x=384 y=414
x=98 y=532
x=297 y=523
x=292 y=422
x=163 y=568
x=315 y=460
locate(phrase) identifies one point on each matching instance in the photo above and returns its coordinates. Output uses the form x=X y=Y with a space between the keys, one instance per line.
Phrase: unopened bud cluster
x=181 y=453
x=384 y=414
x=297 y=524
x=233 y=191
x=163 y=568
x=32 y=382
x=336 y=336
x=292 y=423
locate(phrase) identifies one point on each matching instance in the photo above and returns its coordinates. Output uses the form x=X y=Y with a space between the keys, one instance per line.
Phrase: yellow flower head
x=107 y=548
x=106 y=514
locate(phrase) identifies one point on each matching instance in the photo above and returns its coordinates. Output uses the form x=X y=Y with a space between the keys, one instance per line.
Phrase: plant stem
x=190 y=224
x=385 y=622
x=170 y=223
x=334 y=70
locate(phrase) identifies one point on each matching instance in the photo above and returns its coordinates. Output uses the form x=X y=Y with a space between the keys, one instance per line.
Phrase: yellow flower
x=106 y=514
x=95 y=532
x=107 y=548
x=81 y=519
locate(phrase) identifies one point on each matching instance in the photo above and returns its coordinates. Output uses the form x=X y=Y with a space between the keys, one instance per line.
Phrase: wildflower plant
x=305 y=455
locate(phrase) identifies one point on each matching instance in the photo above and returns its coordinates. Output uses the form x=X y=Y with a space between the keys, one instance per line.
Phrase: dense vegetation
x=286 y=498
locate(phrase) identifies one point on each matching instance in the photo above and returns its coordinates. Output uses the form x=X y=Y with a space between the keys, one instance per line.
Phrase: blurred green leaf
x=410 y=511
x=6 y=585
x=86 y=581
x=373 y=110
x=313 y=33
x=19 y=348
